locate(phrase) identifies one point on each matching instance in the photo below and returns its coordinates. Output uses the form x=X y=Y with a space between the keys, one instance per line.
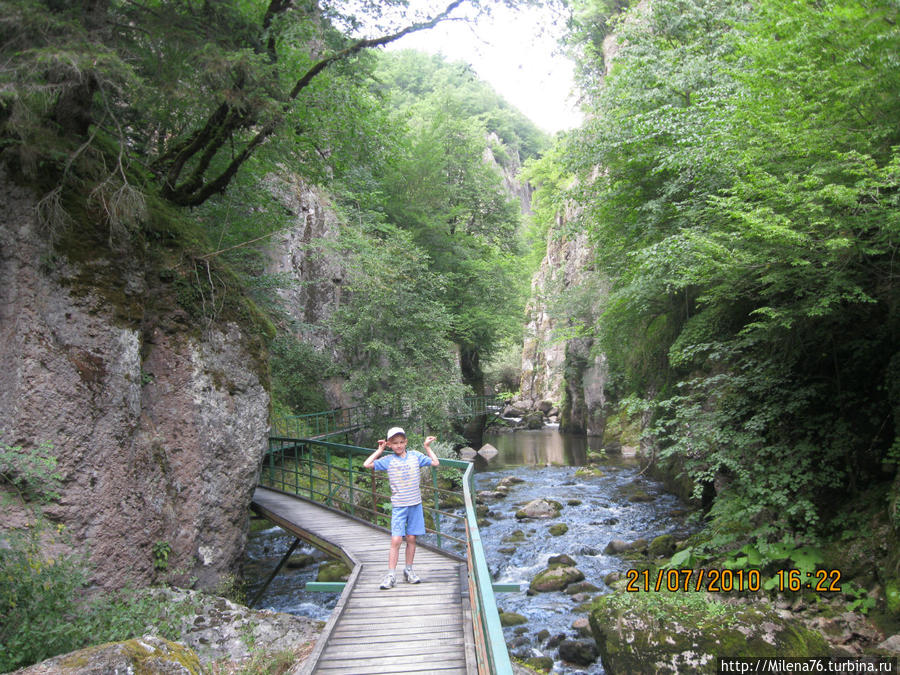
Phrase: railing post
x=328 y=464
x=437 y=505
x=374 y=501
x=352 y=500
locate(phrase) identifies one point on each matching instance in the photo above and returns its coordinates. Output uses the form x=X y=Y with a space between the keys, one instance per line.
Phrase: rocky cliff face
x=556 y=366
x=509 y=169
x=307 y=256
x=158 y=422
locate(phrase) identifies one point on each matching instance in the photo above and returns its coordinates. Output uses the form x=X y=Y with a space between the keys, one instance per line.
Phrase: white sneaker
x=388 y=582
x=411 y=577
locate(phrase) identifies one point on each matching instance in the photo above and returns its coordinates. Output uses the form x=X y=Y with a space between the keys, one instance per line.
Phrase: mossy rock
x=588 y=471
x=687 y=632
x=542 y=663
x=661 y=547
x=540 y=508
x=581 y=587
x=299 y=560
x=452 y=501
x=511 y=619
x=555 y=579
x=558 y=529
x=148 y=654
x=514 y=537
x=574 y=502
x=333 y=570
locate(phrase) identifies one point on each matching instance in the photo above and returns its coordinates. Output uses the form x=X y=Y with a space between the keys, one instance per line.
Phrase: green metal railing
x=333 y=474
x=342 y=420
x=313 y=425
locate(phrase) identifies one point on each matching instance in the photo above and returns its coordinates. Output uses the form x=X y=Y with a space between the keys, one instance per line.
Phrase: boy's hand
x=381 y=443
x=430 y=439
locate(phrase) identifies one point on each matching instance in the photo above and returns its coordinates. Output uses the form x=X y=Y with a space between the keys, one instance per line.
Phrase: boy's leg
x=415 y=525
x=394 y=554
x=410 y=549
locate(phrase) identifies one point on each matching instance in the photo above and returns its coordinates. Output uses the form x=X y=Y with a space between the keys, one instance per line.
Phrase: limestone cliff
x=158 y=419
x=306 y=256
x=557 y=365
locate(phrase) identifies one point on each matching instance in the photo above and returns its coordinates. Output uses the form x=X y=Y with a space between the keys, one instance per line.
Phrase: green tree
x=739 y=179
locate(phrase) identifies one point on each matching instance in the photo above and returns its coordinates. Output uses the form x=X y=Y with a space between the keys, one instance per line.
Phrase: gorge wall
x=558 y=364
x=158 y=419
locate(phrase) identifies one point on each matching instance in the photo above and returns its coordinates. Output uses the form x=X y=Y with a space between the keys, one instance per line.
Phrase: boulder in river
x=333 y=570
x=686 y=633
x=467 y=454
x=534 y=420
x=580 y=652
x=555 y=578
x=561 y=559
x=539 y=508
x=488 y=451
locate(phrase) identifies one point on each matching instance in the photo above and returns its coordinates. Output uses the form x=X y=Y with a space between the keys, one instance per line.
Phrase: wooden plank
x=362 y=661
x=439 y=650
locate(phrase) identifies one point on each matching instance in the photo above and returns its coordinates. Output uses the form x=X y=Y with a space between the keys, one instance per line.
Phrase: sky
x=515 y=52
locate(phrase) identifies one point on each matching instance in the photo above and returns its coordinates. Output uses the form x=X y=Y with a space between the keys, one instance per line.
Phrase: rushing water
x=547 y=461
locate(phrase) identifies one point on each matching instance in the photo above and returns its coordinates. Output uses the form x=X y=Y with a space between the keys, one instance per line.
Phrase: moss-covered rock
x=558 y=529
x=514 y=537
x=539 y=508
x=555 y=579
x=686 y=632
x=661 y=547
x=511 y=619
x=148 y=654
x=333 y=570
x=541 y=663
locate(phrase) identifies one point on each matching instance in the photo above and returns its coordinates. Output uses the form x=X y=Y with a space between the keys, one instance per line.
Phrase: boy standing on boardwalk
x=407 y=516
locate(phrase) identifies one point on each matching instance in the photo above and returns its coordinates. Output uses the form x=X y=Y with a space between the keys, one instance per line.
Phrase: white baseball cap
x=393 y=431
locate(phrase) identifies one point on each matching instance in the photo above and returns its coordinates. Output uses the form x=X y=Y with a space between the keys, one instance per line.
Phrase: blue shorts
x=407 y=520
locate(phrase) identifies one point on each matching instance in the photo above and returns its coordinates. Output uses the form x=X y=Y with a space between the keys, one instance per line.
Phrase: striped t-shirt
x=403 y=475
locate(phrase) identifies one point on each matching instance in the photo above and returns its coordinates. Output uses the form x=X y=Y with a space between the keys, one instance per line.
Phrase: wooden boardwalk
x=411 y=628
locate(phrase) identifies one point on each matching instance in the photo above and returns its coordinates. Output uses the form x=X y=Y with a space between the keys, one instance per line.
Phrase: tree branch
x=194 y=192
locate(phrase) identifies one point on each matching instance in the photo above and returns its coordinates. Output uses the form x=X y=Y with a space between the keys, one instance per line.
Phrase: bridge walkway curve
x=421 y=628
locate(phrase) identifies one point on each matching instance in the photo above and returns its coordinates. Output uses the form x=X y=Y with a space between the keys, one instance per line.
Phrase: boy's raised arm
x=370 y=460
x=434 y=458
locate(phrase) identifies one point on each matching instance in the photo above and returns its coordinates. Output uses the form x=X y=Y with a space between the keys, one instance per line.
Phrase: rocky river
x=611 y=501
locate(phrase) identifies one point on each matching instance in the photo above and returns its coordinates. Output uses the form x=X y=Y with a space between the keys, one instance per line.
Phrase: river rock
x=299 y=561
x=582 y=627
x=689 y=638
x=508 y=481
x=511 y=619
x=467 y=454
x=488 y=451
x=534 y=420
x=616 y=546
x=541 y=663
x=545 y=407
x=555 y=579
x=558 y=529
x=581 y=587
x=539 y=508
x=561 y=559
x=579 y=652
x=333 y=570
x=514 y=537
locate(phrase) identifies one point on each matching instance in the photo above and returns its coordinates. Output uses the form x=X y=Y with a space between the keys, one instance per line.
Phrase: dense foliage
x=119 y=111
x=739 y=178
